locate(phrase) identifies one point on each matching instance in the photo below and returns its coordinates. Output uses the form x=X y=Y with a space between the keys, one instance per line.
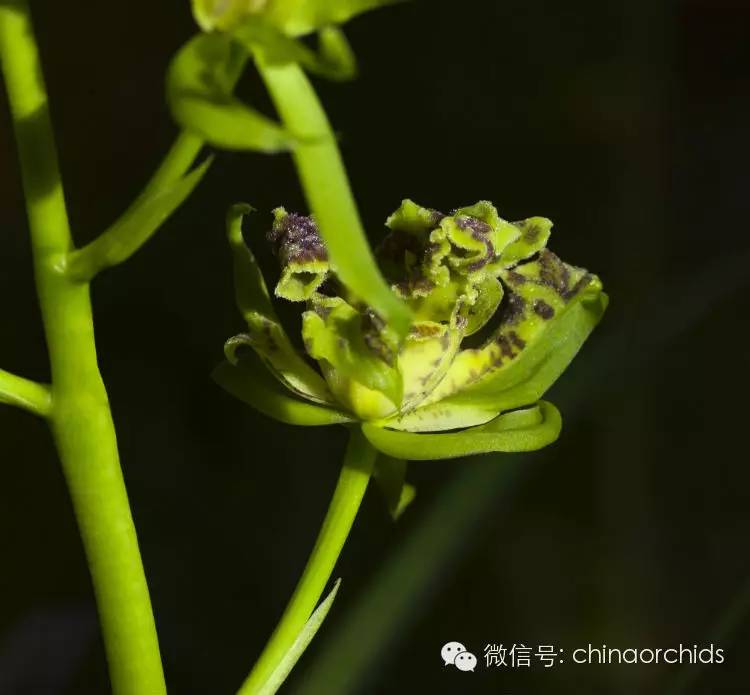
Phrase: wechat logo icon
x=455 y=654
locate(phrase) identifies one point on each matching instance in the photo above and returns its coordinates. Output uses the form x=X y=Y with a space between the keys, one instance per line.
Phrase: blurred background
x=626 y=123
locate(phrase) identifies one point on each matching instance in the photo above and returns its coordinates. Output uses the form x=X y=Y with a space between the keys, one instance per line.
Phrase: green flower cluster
x=497 y=318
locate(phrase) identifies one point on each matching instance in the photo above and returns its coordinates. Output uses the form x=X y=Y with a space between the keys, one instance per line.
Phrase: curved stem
x=80 y=417
x=25 y=394
x=177 y=161
x=350 y=489
x=329 y=195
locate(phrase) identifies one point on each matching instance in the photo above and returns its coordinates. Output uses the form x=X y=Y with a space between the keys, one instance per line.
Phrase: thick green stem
x=25 y=394
x=326 y=185
x=80 y=417
x=350 y=489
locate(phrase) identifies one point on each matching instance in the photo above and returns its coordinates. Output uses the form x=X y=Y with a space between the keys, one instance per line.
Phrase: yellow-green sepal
x=358 y=358
x=439 y=417
x=524 y=430
x=250 y=382
x=265 y=334
x=424 y=358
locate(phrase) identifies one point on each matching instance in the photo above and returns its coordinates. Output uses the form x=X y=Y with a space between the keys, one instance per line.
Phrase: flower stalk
x=356 y=471
x=326 y=184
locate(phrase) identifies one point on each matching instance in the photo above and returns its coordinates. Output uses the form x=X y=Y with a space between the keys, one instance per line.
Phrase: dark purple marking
x=505 y=346
x=475 y=225
x=512 y=309
x=543 y=309
x=297 y=239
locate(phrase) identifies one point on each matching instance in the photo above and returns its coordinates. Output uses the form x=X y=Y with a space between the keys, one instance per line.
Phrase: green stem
x=138 y=223
x=80 y=417
x=25 y=394
x=177 y=161
x=350 y=489
x=326 y=185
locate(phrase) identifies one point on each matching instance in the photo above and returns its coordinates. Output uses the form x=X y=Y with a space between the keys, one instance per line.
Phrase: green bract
x=497 y=318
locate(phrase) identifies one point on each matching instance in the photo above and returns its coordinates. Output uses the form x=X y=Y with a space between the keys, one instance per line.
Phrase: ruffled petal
x=549 y=310
x=302 y=255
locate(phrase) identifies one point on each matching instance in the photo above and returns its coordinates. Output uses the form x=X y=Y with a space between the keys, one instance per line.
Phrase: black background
x=624 y=122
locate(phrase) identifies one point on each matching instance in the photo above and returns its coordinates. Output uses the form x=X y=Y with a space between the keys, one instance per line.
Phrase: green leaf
x=525 y=430
x=292 y=656
x=265 y=333
x=250 y=382
x=357 y=357
x=550 y=309
x=334 y=59
x=390 y=475
x=200 y=82
x=135 y=227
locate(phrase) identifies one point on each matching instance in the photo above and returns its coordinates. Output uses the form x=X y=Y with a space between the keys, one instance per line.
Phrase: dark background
x=626 y=122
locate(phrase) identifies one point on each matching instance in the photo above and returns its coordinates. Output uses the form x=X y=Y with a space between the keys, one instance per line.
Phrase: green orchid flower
x=497 y=319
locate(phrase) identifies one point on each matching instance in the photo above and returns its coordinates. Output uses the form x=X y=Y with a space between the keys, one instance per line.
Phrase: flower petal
x=265 y=333
x=424 y=358
x=251 y=383
x=527 y=430
x=358 y=357
x=535 y=232
x=549 y=311
x=489 y=294
x=476 y=235
x=302 y=255
x=440 y=416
